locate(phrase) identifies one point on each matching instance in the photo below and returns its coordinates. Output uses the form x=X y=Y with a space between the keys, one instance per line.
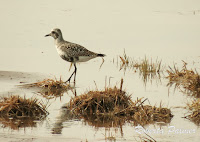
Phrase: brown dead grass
x=50 y=84
x=194 y=110
x=50 y=88
x=148 y=68
x=188 y=79
x=18 y=107
x=114 y=102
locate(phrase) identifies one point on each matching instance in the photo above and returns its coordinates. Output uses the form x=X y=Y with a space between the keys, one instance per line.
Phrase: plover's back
x=72 y=52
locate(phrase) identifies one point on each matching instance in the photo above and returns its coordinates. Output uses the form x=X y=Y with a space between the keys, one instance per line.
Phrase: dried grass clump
x=100 y=102
x=188 y=79
x=50 y=88
x=194 y=108
x=150 y=114
x=18 y=107
x=113 y=102
x=50 y=84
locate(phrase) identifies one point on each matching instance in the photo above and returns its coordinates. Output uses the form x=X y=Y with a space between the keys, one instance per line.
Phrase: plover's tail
x=101 y=55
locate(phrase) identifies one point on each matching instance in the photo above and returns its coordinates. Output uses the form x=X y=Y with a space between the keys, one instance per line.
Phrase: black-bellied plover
x=71 y=52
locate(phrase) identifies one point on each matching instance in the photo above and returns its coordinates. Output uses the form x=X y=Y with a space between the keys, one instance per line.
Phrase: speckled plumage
x=71 y=52
x=73 y=49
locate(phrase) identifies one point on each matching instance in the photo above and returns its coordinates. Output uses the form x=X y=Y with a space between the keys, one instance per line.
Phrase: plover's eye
x=53 y=32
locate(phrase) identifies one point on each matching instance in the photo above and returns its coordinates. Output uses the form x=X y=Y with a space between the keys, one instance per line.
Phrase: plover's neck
x=59 y=40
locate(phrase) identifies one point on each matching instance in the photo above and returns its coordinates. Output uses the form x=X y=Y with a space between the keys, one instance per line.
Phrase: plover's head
x=55 y=33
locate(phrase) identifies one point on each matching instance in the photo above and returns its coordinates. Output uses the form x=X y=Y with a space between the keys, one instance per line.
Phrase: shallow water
x=167 y=30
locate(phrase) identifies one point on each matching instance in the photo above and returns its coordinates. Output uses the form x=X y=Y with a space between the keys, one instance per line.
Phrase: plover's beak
x=47 y=35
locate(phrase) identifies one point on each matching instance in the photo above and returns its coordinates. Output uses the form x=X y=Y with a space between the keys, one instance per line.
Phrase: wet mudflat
x=160 y=31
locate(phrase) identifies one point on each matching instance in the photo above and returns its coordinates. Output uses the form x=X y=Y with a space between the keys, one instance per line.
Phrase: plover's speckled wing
x=75 y=50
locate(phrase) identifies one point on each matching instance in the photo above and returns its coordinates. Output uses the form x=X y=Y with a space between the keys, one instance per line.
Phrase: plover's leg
x=75 y=72
x=70 y=78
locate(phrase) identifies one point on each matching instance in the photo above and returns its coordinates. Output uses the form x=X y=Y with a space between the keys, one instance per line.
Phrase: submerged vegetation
x=145 y=65
x=113 y=103
x=188 y=79
x=147 y=68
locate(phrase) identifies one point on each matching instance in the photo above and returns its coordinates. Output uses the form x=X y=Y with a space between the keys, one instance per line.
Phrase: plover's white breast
x=60 y=52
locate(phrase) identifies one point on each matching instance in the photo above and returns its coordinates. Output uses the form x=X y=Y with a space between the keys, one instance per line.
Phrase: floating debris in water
x=105 y=106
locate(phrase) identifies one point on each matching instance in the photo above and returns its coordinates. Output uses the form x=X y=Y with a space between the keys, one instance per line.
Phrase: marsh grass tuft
x=145 y=65
x=18 y=107
x=147 y=68
x=17 y=112
x=50 y=84
x=50 y=88
x=194 y=110
x=188 y=79
x=114 y=104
